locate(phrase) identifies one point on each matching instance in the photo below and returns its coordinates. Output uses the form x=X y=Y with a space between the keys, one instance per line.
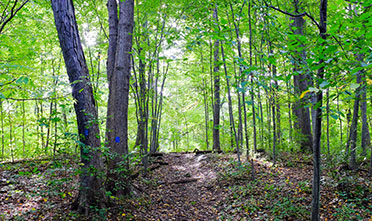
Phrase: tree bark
x=354 y=122
x=301 y=82
x=318 y=121
x=117 y=126
x=2 y=130
x=251 y=76
x=216 y=79
x=91 y=192
x=366 y=138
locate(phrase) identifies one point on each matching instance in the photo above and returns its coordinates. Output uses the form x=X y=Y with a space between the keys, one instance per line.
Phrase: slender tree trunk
x=2 y=130
x=11 y=139
x=42 y=126
x=274 y=129
x=206 y=113
x=37 y=114
x=340 y=119
x=327 y=109
x=318 y=122
x=366 y=138
x=23 y=128
x=217 y=102
x=56 y=130
x=237 y=33
x=232 y=123
x=91 y=189
x=251 y=76
x=348 y=119
x=289 y=111
x=354 y=122
x=49 y=127
x=277 y=106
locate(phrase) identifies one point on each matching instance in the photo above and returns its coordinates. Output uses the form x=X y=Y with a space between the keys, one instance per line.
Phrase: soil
x=191 y=186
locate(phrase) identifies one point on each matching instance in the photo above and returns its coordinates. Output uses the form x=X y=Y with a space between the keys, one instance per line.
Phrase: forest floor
x=190 y=186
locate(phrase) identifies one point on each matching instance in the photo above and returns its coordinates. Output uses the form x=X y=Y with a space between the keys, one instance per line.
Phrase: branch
x=37 y=98
x=12 y=13
x=295 y=15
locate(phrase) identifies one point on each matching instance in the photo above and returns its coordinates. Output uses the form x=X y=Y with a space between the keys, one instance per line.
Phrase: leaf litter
x=190 y=186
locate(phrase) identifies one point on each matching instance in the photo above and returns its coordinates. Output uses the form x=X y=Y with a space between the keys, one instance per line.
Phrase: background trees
x=262 y=93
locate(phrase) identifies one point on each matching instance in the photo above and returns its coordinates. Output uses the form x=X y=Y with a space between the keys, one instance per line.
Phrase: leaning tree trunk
x=91 y=192
x=117 y=125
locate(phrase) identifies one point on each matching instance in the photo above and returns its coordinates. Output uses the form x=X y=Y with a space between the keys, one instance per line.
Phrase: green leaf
x=313 y=89
x=324 y=84
x=22 y=80
x=354 y=86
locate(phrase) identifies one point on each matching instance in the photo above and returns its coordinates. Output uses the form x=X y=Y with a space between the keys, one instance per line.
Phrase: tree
x=9 y=9
x=217 y=101
x=301 y=81
x=318 y=116
x=91 y=190
x=118 y=69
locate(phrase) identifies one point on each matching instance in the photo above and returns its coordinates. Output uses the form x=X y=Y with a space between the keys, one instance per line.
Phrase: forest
x=185 y=110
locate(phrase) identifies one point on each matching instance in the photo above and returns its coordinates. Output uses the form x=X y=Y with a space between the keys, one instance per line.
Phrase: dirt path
x=186 y=190
x=188 y=186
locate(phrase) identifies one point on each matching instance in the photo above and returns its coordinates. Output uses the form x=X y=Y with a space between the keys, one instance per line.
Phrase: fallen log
x=197 y=152
x=161 y=162
x=150 y=168
x=187 y=180
x=157 y=154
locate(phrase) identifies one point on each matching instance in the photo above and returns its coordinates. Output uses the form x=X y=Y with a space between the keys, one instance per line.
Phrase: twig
x=295 y=15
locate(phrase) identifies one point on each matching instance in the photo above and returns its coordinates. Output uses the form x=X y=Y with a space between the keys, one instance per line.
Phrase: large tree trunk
x=117 y=126
x=113 y=35
x=216 y=107
x=301 y=82
x=91 y=190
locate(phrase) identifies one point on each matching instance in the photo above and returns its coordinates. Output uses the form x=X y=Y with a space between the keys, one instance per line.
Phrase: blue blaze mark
x=86 y=132
x=117 y=139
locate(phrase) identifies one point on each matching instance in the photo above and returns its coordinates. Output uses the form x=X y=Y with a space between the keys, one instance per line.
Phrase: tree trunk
x=91 y=189
x=354 y=122
x=232 y=123
x=2 y=130
x=23 y=128
x=327 y=109
x=217 y=102
x=301 y=82
x=49 y=128
x=289 y=111
x=120 y=66
x=318 y=121
x=206 y=112
x=11 y=137
x=340 y=119
x=366 y=138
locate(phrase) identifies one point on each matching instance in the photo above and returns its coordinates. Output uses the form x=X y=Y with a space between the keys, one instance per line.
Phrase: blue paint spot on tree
x=117 y=139
x=86 y=132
